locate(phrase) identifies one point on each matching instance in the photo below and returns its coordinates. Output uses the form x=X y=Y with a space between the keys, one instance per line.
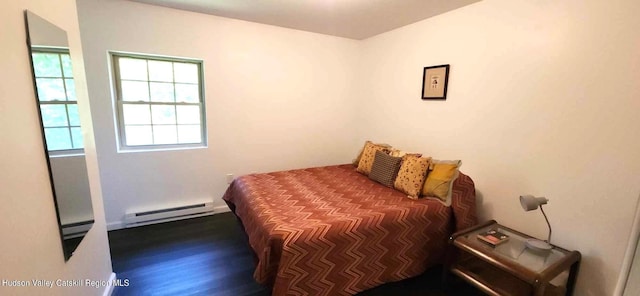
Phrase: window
x=57 y=98
x=159 y=102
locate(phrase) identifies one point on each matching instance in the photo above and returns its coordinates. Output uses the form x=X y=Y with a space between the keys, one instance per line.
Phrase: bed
x=333 y=231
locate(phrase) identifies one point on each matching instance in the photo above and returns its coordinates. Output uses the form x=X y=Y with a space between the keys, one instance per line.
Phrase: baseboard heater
x=77 y=229
x=169 y=214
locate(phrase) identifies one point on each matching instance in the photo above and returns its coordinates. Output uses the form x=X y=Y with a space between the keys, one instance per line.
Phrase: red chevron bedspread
x=332 y=231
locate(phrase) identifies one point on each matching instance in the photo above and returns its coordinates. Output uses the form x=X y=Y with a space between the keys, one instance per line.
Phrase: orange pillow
x=356 y=161
x=368 y=155
x=412 y=173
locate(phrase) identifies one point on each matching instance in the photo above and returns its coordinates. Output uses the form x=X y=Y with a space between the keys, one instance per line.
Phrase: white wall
x=276 y=99
x=543 y=99
x=31 y=247
x=41 y=33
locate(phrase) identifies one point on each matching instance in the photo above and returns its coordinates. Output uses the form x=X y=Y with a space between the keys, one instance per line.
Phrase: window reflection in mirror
x=57 y=98
x=62 y=134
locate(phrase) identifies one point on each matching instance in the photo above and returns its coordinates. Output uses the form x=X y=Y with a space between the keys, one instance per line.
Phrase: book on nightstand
x=493 y=237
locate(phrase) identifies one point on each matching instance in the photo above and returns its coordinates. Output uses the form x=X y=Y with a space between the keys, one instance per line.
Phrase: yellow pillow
x=356 y=161
x=412 y=174
x=368 y=155
x=439 y=182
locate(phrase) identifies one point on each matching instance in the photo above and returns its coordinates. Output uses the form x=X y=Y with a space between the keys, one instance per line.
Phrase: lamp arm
x=545 y=218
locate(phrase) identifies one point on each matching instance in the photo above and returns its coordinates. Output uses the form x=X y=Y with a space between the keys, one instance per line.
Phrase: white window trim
x=121 y=146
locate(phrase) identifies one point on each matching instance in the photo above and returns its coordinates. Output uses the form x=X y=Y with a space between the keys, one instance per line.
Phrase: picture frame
x=435 y=80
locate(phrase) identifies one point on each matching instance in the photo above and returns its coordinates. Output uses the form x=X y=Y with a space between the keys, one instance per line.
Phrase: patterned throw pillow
x=368 y=154
x=385 y=168
x=439 y=182
x=411 y=176
x=356 y=161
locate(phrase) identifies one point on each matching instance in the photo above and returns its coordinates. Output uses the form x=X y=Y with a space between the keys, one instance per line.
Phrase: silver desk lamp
x=530 y=203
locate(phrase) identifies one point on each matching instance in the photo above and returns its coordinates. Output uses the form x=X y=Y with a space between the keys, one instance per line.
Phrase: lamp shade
x=530 y=202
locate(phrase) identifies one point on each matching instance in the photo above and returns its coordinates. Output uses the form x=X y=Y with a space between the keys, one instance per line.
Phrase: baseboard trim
x=108 y=290
x=120 y=224
x=115 y=225
x=221 y=209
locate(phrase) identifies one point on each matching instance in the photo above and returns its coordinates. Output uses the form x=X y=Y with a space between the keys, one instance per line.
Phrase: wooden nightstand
x=510 y=268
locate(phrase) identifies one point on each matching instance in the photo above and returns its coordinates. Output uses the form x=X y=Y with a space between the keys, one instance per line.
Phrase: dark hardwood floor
x=210 y=256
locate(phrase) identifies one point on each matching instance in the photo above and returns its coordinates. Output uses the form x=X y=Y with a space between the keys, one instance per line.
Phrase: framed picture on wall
x=434 y=82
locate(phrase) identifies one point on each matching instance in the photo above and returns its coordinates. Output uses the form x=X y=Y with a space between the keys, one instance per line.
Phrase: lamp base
x=539 y=247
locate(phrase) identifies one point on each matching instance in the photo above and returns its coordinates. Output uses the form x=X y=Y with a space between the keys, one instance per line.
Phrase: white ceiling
x=356 y=19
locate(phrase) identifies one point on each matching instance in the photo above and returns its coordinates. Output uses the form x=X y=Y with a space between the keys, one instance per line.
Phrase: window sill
x=159 y=149
x=62 y=154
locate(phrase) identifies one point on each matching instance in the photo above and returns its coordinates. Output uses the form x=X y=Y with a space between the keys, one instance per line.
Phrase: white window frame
x=58 y=51
x=119 y=103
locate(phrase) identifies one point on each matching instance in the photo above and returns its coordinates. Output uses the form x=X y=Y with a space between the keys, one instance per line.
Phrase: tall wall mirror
x=61 y=132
